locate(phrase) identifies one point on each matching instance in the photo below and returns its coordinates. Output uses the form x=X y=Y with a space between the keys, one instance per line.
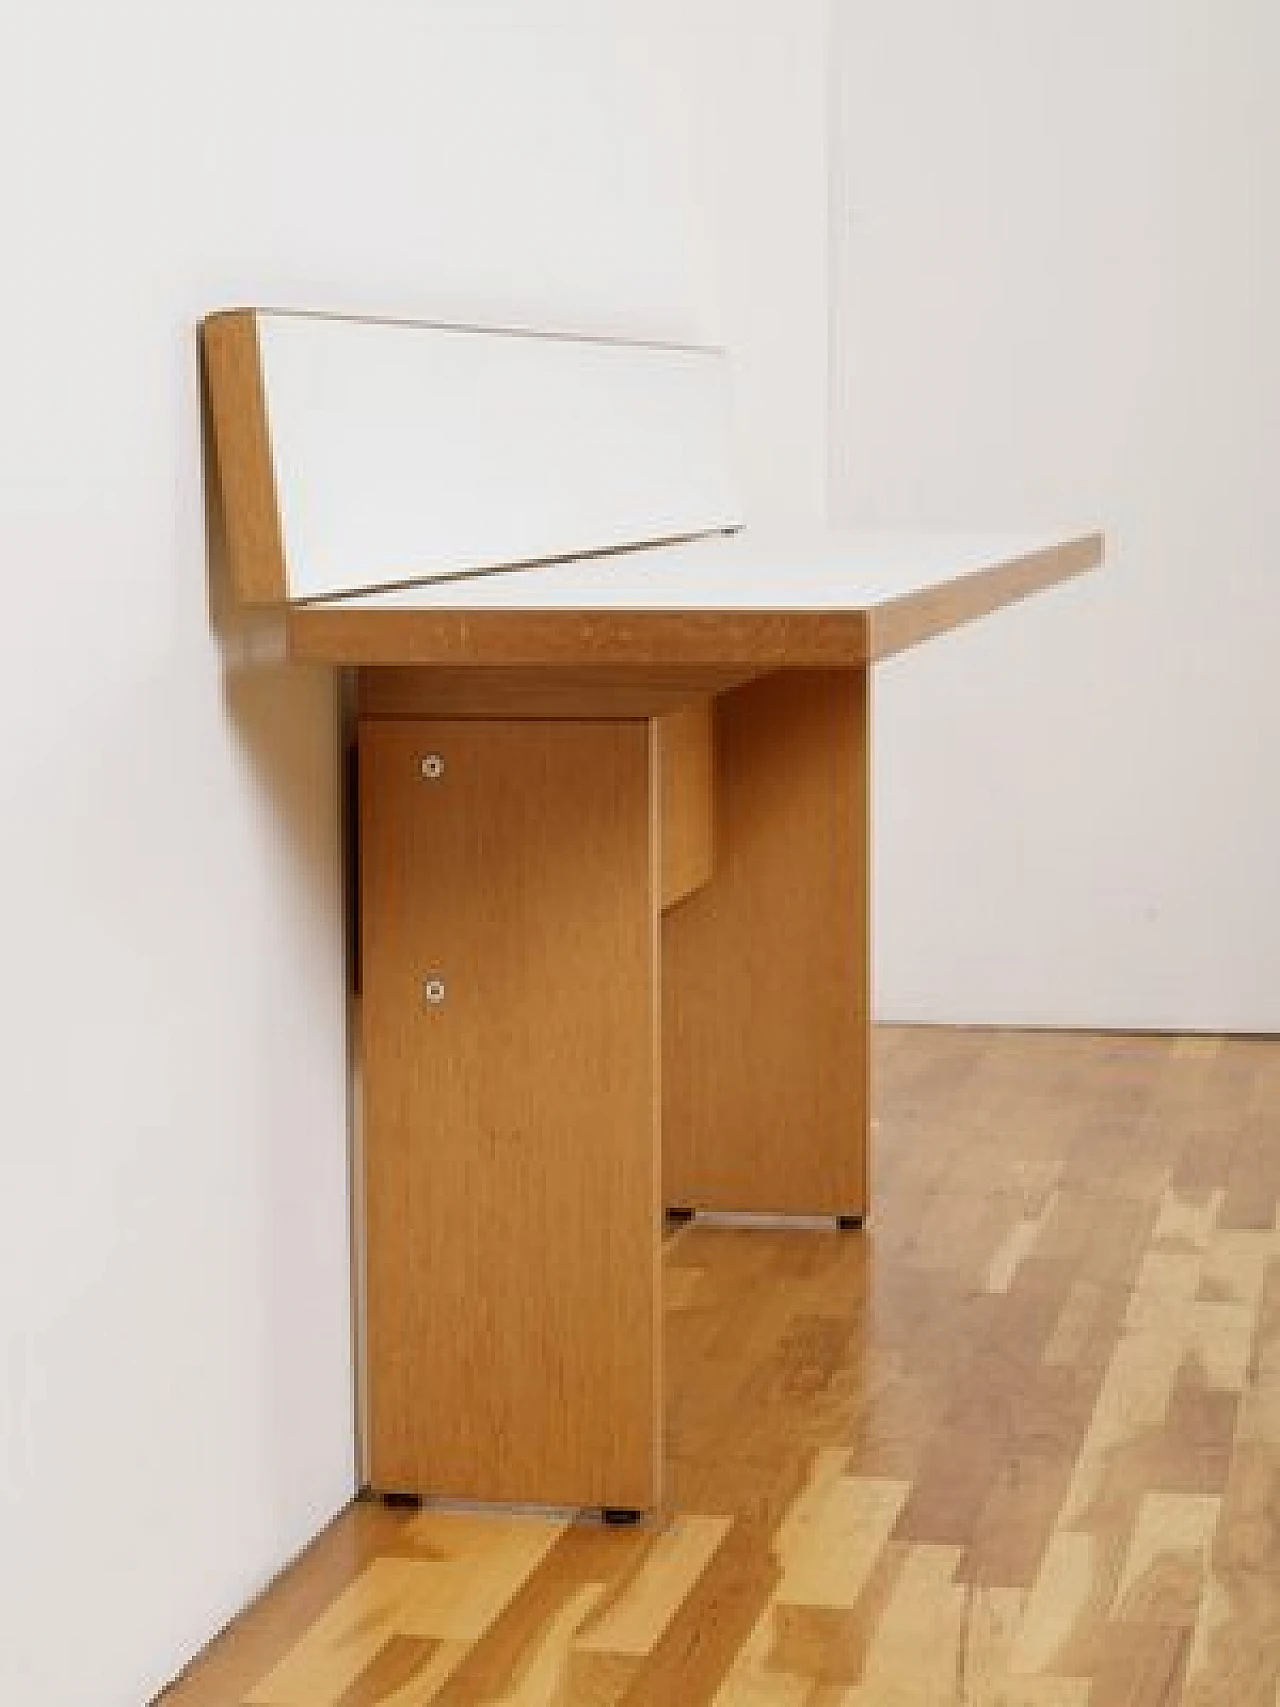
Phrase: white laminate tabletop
x=750 y=570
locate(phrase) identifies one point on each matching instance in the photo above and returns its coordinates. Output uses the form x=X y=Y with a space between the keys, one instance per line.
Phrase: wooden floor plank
x=1018 y=1445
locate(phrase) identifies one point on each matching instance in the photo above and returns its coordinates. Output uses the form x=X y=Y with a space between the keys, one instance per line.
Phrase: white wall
x=757 y=158
x=1057 y=271
x=175 y=1405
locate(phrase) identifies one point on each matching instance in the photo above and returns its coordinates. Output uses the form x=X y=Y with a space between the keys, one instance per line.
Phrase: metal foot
x=620 y=1516
x=850 y=1223
x=402 y=1502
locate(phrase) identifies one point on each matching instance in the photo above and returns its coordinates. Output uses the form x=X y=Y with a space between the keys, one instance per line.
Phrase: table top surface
x=747 y=570
x=750 y=597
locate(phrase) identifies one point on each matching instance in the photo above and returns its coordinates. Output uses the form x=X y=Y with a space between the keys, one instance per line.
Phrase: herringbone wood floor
x=1016 y=1446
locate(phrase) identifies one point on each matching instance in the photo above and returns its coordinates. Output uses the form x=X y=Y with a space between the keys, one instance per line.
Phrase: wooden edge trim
x=750 y=640
x=242 y=456
x=905 y=622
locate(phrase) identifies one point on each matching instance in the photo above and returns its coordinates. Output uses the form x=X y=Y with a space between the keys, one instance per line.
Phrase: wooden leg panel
x=686 y=768
x=510 y=966
x=766 y=970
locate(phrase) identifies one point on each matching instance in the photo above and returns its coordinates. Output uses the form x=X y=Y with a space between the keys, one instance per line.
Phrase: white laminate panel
x=745 y=571
x=406 y=452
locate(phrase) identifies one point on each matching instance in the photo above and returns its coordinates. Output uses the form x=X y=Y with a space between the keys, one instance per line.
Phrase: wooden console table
x=614 y=847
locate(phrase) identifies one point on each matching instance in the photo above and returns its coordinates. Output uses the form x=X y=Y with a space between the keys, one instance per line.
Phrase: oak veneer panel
x=686 y=800
x=510 y=1144
x=749 y=642
x=765 y=976
x=646 y=691
x=898 y=623
x=242 y=453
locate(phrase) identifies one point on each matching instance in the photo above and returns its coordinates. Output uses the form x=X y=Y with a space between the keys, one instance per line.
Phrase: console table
x=613 y=762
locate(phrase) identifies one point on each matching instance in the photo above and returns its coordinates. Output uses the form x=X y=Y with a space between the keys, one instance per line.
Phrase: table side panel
x=686 y=768
x=766 y=980
x=511 y=1130
x=246 y=487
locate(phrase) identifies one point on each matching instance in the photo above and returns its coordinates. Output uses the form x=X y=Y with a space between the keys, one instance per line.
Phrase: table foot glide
x=620 y=1516
x=850 y=1223
x=402 y=1502
x=680 y=1215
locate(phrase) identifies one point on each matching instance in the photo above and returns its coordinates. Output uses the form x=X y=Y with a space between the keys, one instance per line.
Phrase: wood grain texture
x=242 y=455
x=647 y=691
x=900 y=623
x=686 y=802
x=765 y=971
x=346 y=633
x=510 y=1132
x=351 y=632
x=1023 y=1311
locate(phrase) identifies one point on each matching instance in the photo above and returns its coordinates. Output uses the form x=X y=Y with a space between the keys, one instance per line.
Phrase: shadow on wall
x=270 y=703
x=287 y=721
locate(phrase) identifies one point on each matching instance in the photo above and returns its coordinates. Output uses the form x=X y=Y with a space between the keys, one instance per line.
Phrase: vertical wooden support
x=766 y=971
x=686 y=769
x=510 y=908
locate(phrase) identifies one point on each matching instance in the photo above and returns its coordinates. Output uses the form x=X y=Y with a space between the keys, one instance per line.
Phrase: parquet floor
x=1016 y=1446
